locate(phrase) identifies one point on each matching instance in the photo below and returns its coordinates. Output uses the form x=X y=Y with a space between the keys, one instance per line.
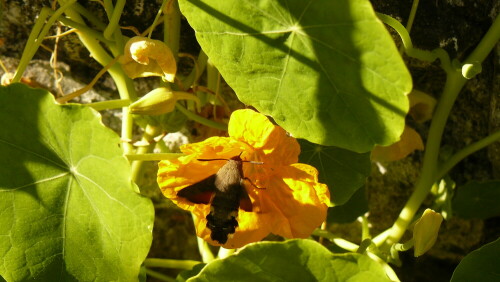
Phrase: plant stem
x=460 y=155
x=159 y=276
x=108 y=105
x=202 y=120
x=453 y=85
x=37 y=35
x=153 y=157
x=115 y=18
x=170 y=263
x=148 y=137
x=172 y=26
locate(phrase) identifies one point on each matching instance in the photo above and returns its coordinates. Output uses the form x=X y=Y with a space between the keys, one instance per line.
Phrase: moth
x=225 y=193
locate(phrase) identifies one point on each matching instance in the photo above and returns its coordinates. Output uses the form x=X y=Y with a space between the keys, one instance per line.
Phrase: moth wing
x=200 y=192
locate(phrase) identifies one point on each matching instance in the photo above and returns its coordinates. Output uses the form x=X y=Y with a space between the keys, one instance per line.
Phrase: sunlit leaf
x=343 y=171
x=480 y=265
x=294 y=260
x=326 y=71
x=69 y=211
x=477 y=200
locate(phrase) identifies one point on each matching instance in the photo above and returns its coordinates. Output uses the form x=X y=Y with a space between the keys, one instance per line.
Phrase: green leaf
x=68 y=210
x=326 y=71
x=343 y=171
x=351 y=210
x=477 y=200
x=480 y=265
x=294 y=260
x=186 y=274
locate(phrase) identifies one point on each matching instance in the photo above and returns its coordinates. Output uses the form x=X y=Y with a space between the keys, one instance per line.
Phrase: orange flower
x=286 y=197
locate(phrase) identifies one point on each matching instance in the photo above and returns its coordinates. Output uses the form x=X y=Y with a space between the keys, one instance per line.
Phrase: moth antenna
x=207 y=160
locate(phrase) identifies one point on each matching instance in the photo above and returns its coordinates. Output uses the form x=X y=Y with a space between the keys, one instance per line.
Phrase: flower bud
x=145 y=57
x=159 y=101
x=426 y=231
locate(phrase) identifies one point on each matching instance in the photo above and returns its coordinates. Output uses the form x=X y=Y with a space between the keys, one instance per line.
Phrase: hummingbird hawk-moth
x=225 y=193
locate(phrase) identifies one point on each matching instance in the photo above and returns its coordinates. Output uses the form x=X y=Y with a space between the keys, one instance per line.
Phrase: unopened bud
x=426 y=231
x=159 y=101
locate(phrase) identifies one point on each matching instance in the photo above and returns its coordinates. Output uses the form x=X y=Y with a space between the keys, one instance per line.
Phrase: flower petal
x=273 y=143
x=295 y=202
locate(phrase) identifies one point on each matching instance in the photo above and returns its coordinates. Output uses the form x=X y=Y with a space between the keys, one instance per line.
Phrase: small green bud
x=159 y=101
x=426 y=231
x=471 y=70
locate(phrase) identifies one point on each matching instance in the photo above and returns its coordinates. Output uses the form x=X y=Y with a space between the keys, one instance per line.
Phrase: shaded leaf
x=69 y=211
x=477 y=200
x=293 y=260
x=326 y=71
x=480 y=265
x=343 y=171
x=355 y=207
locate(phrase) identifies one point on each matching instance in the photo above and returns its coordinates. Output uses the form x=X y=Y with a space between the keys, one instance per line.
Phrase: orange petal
x=295 y=203
x=270 y=141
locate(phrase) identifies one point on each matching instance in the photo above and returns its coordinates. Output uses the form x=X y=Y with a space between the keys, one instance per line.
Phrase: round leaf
x=326 y=71
x=294 y=260
x=68 y=210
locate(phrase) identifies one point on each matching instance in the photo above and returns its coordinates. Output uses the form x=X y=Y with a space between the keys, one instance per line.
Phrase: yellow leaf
x=410 y=141
x=421 y=106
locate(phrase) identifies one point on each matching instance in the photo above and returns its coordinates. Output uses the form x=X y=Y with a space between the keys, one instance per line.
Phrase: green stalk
x=172 y=27
x=462 y=154
x=37 y=35
x=423 y=55
x=153 y=157
x=202 y=120
x=123 y=83
x=148 y=137
x=108 y=105
x=159 y=276
x=115 y=18
x=89 y=16
x=453 y=85
x=224 y=253
x=171 y=263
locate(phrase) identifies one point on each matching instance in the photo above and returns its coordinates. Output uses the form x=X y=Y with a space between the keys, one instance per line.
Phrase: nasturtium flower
x=286 y=197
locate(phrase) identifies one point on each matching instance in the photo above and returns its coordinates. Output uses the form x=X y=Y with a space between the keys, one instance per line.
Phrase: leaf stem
x=115 y=18
x=460 y=155
x=108 y=105
x=159 y=276
x=453 y=85
x=153 y=156
x=37 y=35
x=202 y=120
x=170 y=263
x=423 y=55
